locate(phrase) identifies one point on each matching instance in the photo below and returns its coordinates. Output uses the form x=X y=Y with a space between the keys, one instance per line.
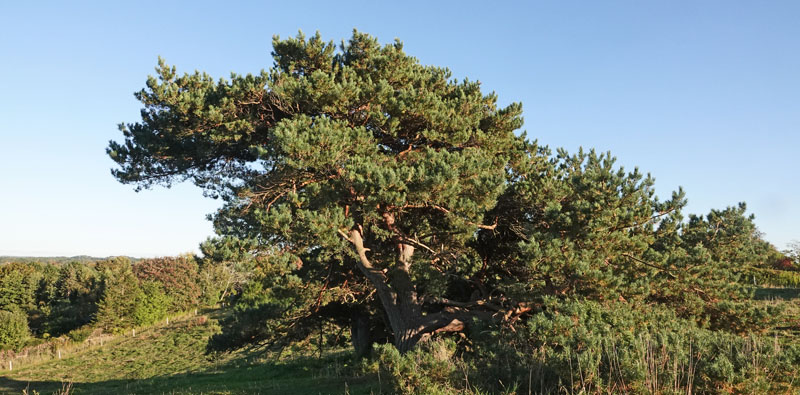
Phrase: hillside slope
x=170 y=359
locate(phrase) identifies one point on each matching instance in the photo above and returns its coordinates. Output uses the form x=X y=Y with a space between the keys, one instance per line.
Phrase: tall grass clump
x=431 y=368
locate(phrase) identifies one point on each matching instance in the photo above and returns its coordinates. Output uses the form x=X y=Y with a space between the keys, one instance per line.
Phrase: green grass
x=171 y=359
x=777 y=293
x=788 y=328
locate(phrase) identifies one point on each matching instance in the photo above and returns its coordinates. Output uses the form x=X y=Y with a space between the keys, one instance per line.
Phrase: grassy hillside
x=170 y=359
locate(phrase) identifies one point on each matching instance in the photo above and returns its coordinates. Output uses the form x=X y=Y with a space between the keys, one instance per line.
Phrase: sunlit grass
x=171 y=359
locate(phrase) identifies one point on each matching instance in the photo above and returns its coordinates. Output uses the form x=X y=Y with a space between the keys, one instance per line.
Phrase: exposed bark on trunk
x=360 y=334
x=400 y=301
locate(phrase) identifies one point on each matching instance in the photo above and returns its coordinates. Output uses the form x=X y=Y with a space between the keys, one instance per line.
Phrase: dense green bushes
x=18 y=285
x=611 y=348
x=150 y=304
x=585 y=347
x=14 y=330
x=119 y=289
x=266 y=306
x=431 y=369
x=55 y=299
x=178 y=277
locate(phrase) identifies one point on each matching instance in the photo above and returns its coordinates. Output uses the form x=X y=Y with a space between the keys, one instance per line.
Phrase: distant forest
x=57 y=259
x=73 y=297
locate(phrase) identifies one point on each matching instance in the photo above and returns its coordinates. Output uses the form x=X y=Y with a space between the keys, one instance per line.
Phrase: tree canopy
x=371 y=187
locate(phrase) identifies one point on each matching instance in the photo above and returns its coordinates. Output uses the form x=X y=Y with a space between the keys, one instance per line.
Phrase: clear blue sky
x=705 y=95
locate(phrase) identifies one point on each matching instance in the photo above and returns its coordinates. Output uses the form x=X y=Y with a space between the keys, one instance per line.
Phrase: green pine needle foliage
x=357 y=182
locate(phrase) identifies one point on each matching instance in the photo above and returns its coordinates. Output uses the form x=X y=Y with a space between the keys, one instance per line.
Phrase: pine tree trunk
x=405 y=340
x=360 y=334
x=400 y=301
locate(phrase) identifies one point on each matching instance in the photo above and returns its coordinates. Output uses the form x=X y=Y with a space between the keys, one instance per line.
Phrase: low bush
x=575 y=346
x=80 y=335
x=588 y=347
x=429 y=369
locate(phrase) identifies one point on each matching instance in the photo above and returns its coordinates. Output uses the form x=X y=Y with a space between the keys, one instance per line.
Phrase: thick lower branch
x=451 y=321
x=400 y=306
x=373 y=274
x=404 y=309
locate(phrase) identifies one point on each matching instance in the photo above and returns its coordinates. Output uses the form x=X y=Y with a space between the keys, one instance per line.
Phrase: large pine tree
x=362 y=154
x=364 y=175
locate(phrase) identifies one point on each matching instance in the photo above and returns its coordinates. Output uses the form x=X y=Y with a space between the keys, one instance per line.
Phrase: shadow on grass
x=777 y=293
x=298 y=377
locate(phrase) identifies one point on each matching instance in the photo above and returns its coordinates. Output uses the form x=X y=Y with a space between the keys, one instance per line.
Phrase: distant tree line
x=44 y=300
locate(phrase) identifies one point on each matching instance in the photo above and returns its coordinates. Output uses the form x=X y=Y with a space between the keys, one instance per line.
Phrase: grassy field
x=170 y=359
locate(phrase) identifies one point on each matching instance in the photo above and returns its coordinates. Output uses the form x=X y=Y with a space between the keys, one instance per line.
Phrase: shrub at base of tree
x=583 y=347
